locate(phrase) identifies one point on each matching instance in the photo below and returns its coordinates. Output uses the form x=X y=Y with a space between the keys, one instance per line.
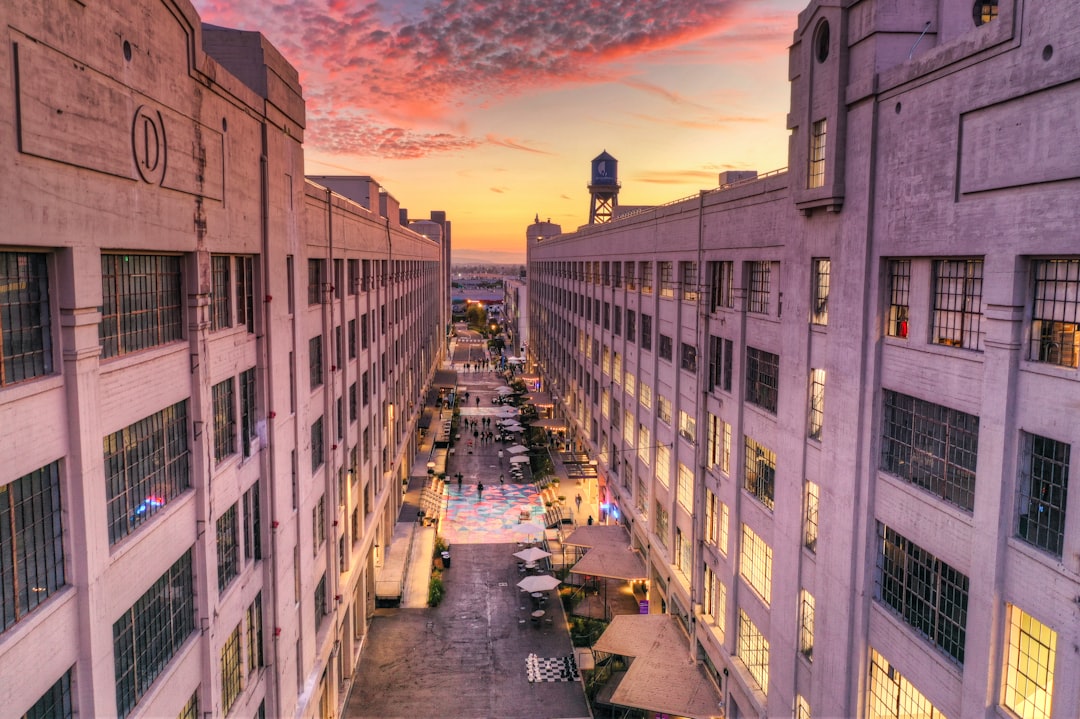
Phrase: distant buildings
x=210 y=374
x=835 y=405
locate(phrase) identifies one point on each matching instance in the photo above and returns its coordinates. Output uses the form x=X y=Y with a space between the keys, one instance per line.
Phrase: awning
x=549 y=423
x=610 y=554
x=663 y=677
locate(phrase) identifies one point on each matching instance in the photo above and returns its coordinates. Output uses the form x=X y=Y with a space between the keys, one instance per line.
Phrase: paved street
x=469 y=657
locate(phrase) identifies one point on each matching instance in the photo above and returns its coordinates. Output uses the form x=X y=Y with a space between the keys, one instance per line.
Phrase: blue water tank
x=605 y=170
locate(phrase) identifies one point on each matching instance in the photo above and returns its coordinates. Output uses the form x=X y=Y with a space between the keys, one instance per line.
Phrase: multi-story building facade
x=834 y=404
x=210 y=372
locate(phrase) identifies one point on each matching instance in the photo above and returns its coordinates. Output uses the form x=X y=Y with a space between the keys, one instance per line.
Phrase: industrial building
x=835 y=404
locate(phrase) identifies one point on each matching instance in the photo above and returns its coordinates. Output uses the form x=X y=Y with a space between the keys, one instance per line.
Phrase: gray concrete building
x=834 y=403
x=210 y=374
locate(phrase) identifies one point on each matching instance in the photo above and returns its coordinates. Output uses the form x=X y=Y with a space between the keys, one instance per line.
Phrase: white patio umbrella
x=528 y=529
x=532 y=554
x=514 y=427
x=516 y=449
x=505 y=421
x=539 y=583
x=519 y=459
x=504 y=390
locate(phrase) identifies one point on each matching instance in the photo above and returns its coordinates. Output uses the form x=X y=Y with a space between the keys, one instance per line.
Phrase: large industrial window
x=810 y=516
x=148 y=635
x=688 y=281
x=688 y=357
x=646 y=278
x=25 y=319
x=318 y=524
x=806 y=624
x=253 y=617
x=631 y=275
x=753 y=650
x=220 y=297
x=892 y=696
x=926 y=592
x=31 y=542
x=1055 y=313
x=316 y=279
x=762 y=378
x=228 y=548
x=685 y=488
x=320 y=601
x=720 y=361
x=146 y=466
x=759 y=471
x=819 y=308
x=718 y=453
x=714 y=600
x=663 y=409
x=665 y=350
x=631 y=326
x=899 y=287
x=646 y=332
x=315 y=361
x=247 y=410
x=815 y=176
x=687 y=426
x=958 y=303
x=758 y=298
x=252 y=523
x=721 y=285
x=663 y=465
x=817 y=402
x=1028 y=686
x=661 y=523
x=716 y=522
x=931 y=446
x=55 y=703
x=224 y=419
x=755 y=563
x=317 y=457
x=1043 y=488
x=141 y=303
x=231 y=682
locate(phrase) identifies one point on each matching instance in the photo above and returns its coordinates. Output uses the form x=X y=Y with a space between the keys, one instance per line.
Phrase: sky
x=493 y=111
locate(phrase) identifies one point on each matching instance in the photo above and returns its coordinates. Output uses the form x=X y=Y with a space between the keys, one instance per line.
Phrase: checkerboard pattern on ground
x=552 y=669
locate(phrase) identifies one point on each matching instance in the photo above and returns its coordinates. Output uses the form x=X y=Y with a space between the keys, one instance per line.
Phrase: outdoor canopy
x=539 y=583
x=532 y=554
x=519 y=459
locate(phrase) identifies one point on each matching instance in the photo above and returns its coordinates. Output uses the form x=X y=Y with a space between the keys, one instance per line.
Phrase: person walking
x=480 y=494
x=590 y=520
x=577 y=501
x=459 y=477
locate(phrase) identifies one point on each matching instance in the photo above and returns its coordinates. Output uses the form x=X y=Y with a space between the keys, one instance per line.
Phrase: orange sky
x=492 y=111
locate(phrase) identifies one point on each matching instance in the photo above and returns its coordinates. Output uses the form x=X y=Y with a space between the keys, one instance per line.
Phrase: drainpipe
x=701 y=339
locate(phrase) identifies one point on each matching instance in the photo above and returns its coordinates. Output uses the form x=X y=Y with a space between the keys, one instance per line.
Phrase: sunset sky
x=492 y=111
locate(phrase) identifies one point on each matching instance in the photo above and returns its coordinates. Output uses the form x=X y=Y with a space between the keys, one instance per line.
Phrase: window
x=759 y=471
x=646 y=277
x=819 y=309
x=228 y=548
x=721 y=285
x=607 y=315
x=146 y=466
x=758 y=298
x=983 y=11
x=815 y=175
x=320 y=601
x=1043 y=486
x=684 y=552
x=810 y=516
x=817 y=402
x=252 y=523
x=1055 y=313
x=806 y=624
x=753 y=650
x=958 y=303
x=892 y=696
x=316 y=279
x=686 y=488
x=762 y=378
x=688 y=281
x=716 y=522
x=31 y=542
x=631 y=326
x=645 y=395
x=665 y=347
x=924 y=591
x=318 y=524
x=688 y=357
x=220 y=297
x=667 y=280
x=230 y=670
x=719 y=444
x=755 y=563
x=141 y=303
x=247 y=410
x=661 y=523
x=628 y=426
x=353 y=399
x=631 y=279
x=224 y=419
x=687 y=427
x=354 y=276
x=148 y=635
x=245 y=292
x=802 y=706
x=317 y=457
x=663 y=464
x=1028 y=689
x=641 y=499
x=290 y=286
x=663 y=409
x=899 y=287
x=720 y=351
x=253 y=618
x=25 y=319
x=315 y=361
x=714 y=601
x=931 y=446
x=646 y=332
x=56 y=702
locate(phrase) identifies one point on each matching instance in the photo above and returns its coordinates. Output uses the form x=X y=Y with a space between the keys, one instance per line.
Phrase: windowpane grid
x=220 y=312
x=958 y=303
x=1043 y=489
x=815 y=176
x=755 y=564
x=146 y=465
x=753 y=650
x=762 y=378
x=810 y=520
x=31 y=542
x=228 y=548
x=247 y=409
x=758 y=298
x=817 y=402
x=926 y=592
x=806 y=624
x=1055 y=313
x=230 y=670
x=191 y=709
x=1029 y=672
x=931 y=446
x=55 y=703
x=899 y=287
x=25 y=322
x=759 y=471
x=141 y=303
x=819 y=311
x=891 y=696
x=224 y=419
x=148 y=635
x=254 y=620
x=722 y=285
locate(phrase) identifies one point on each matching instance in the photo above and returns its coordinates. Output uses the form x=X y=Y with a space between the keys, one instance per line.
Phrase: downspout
x=700 y=448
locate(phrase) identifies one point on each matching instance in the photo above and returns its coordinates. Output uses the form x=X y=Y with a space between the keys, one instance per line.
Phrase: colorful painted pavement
x=490 y=519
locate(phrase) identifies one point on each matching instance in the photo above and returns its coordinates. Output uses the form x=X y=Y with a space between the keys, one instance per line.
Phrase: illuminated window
x=891 y=696
x=714 y=602
x=753 y=650
x=819 y=310
x=817 y=402
x=645 y=395
x=958 y=303
x=688 y=280
x=806 y=624
x=815 y=177
x=719 y=444
x=1055 y=313
x=644 y=443
x=191 y=709
x=802 y=707
x=983 y=11
x=663 y=465
x=759 y=471
x=663 y=409
x=716 y=522
x=25 y=318
x=1029 y=668
x=231 y=683
x=646 y=277
x=142 y=303
x=1044 y=484
x=755 y=564
x=641 y=499
x=758 y=298
x=899 y=287
x=685 y=489
x=687 y=427
x=667 y=280
x=810 y=518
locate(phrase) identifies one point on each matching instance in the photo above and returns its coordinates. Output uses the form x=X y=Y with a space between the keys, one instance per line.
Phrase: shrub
x=435 y=590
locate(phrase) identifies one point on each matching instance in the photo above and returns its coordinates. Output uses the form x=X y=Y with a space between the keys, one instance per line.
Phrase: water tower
x=604 y=188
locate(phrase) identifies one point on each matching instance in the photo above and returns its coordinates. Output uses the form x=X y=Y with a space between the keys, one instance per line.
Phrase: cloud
x=393 y=80
x=514 y=145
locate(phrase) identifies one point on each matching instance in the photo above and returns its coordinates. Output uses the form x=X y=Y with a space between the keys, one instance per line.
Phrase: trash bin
x=446 y=559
